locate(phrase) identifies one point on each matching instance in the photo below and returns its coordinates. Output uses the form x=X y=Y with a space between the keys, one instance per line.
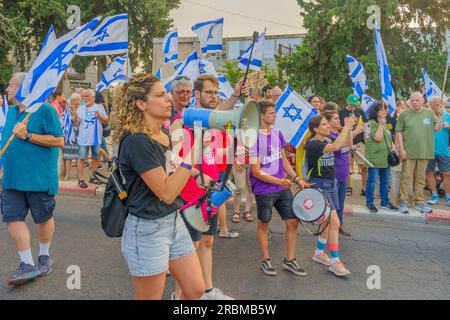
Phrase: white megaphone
x=244 y=121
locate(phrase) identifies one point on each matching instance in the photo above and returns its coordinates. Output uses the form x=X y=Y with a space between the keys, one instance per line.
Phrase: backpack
x=114 y=211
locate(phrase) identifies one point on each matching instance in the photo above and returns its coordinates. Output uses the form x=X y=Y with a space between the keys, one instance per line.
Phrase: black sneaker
x=389 y=207
x=293 y=267
x=372 y=208
x=266 y=267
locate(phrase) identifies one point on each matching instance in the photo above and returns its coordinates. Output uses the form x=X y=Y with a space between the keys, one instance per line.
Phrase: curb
x=438 y=216
x=72 y=188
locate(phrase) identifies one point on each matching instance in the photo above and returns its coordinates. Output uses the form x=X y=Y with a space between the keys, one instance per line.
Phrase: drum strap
x=319 y=232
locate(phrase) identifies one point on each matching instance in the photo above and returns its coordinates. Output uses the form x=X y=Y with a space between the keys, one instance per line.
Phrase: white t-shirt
x=87 y=135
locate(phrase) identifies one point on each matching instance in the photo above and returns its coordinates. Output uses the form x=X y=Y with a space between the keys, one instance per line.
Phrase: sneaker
x=25 y=272
x=447 y=202
x=372 y=208
x=389 y=207
x=266 y=267
x=173 y=296
x=229 y=235
x=45 y=265
x=403 y=208
x=322 y=258
x=293 y=267
x=423 y=208
x=434 y=200
x=363 y=193
x=215 y=294
x=338 y=269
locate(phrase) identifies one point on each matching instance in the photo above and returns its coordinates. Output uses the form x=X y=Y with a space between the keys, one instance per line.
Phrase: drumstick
x=364 y=158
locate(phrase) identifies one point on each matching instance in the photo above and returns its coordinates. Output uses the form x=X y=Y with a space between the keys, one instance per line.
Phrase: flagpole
x=255 y=36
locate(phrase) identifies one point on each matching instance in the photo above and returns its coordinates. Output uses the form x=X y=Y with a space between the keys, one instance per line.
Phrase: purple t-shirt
x=268 y=150
x=341 y=160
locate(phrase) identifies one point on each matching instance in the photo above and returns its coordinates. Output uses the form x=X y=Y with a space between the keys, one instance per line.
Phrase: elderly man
x=415 y=139
x=441 y=152
x=30 y=180
x=181 y=92
x=89 y=119
x=276 y=93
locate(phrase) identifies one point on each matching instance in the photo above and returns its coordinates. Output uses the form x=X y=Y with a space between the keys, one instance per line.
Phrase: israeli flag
x=358 y=76
x=430 y=87
x=293 y=115
x=225 y=89
x=116 y=73
x=48 y=69
x=189 y=67
x=158 y=74
x=3 y=113
x=170 y=46
x=207 y=67
x=257 y=55
x=110 y=38
x=366 y=102
x=384 y=74
x=69 y=134
x=210 y=34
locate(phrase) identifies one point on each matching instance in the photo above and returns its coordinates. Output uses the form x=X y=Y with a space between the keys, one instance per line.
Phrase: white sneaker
x=215 y=294
x=173 y=296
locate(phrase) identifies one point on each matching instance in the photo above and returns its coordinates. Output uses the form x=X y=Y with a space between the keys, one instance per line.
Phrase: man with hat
x=353 y=108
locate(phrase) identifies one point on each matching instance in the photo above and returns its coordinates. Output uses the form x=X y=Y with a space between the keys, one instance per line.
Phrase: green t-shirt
x=377 y=152
x=418 y=133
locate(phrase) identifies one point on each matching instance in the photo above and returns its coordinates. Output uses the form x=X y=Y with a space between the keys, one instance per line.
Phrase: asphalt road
x=413 y=259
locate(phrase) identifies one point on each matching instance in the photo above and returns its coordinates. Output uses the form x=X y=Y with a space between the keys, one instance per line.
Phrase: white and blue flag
x=358 y=76
x=257 y=56
x=110 y=38
x=384 y=74
x=50 y=65
x=210 y=34
x=366 y=102
x=158 y=74
x=170 y=46
x=66 y=120
x=293 y=115
x=207 y=67
x=116 y=73
x=225 y=89
x=430 y=87
x=189 y=67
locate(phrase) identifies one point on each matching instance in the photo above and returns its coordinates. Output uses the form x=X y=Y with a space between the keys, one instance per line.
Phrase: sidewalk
x=71 y=187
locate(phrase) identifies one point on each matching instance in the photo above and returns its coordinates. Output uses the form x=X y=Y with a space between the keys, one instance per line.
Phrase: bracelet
x=236 y=96
x=186 y=166
x=197 y=175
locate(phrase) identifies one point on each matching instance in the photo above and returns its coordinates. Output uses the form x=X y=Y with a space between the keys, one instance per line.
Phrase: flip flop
x=248 y=216
x=235 y=217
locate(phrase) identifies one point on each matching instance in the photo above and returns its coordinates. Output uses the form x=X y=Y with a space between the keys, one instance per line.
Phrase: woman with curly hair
x=155 y=238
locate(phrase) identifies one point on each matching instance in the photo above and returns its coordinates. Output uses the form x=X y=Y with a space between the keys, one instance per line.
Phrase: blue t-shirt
x=27 y=166
x=441 y=139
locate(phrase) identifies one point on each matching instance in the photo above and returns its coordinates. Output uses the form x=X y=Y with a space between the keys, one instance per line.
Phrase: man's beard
x=206 y=105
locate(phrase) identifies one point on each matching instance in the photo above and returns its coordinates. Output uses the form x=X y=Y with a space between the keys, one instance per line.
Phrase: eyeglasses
x=183 y=92
x=211 y=92
x=183 y=77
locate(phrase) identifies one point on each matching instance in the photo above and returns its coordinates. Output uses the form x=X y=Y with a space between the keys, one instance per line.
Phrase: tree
x=232 y=72
x=338 y=27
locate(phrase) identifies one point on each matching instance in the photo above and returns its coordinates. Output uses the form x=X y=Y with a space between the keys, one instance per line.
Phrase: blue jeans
x=342 y=192
x=104 y=146
x=384 y=174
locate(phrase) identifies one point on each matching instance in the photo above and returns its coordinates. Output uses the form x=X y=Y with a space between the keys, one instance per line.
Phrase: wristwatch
x=28 y=136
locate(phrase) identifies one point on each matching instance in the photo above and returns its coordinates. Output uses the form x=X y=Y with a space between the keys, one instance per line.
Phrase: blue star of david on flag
x=293 y=115
x=296 y=115
x=210 y=36
x=114 y=74
x=59 y=64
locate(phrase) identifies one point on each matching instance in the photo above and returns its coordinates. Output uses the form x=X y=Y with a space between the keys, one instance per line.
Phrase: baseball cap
x=353 y=100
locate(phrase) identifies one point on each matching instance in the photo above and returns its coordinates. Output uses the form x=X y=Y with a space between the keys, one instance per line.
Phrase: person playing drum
x=322 y=173
x=271 y=189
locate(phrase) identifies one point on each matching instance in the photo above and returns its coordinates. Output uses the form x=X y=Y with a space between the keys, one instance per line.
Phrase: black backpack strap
x=229 y=166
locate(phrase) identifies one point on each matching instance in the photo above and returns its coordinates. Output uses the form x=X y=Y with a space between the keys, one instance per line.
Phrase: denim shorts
x=282 y=201
x=16 y=204
x=443 y=164
x=149 y=245
x=329 y=187
x=84 y=150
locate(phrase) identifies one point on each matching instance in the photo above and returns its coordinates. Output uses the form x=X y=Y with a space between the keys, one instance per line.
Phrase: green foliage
x=232 y=72
x=338 y=27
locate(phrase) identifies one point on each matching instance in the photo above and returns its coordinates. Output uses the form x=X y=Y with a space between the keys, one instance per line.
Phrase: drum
x=311 y=205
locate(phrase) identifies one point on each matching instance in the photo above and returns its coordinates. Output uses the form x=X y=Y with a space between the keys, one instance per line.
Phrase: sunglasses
x=182 y=78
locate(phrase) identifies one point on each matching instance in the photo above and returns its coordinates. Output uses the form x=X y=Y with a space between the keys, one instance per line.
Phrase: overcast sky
x=241 y=17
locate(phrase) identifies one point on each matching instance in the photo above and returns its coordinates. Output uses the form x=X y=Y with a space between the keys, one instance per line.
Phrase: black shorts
x=282 y=201
x=16 y=204
x=197 y=235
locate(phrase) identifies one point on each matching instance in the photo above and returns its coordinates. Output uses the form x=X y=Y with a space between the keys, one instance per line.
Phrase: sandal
x=82 y=184
x=96 y=181
x=349 y=192
x=230 y=235
x=248 y=216
x=235 y=217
